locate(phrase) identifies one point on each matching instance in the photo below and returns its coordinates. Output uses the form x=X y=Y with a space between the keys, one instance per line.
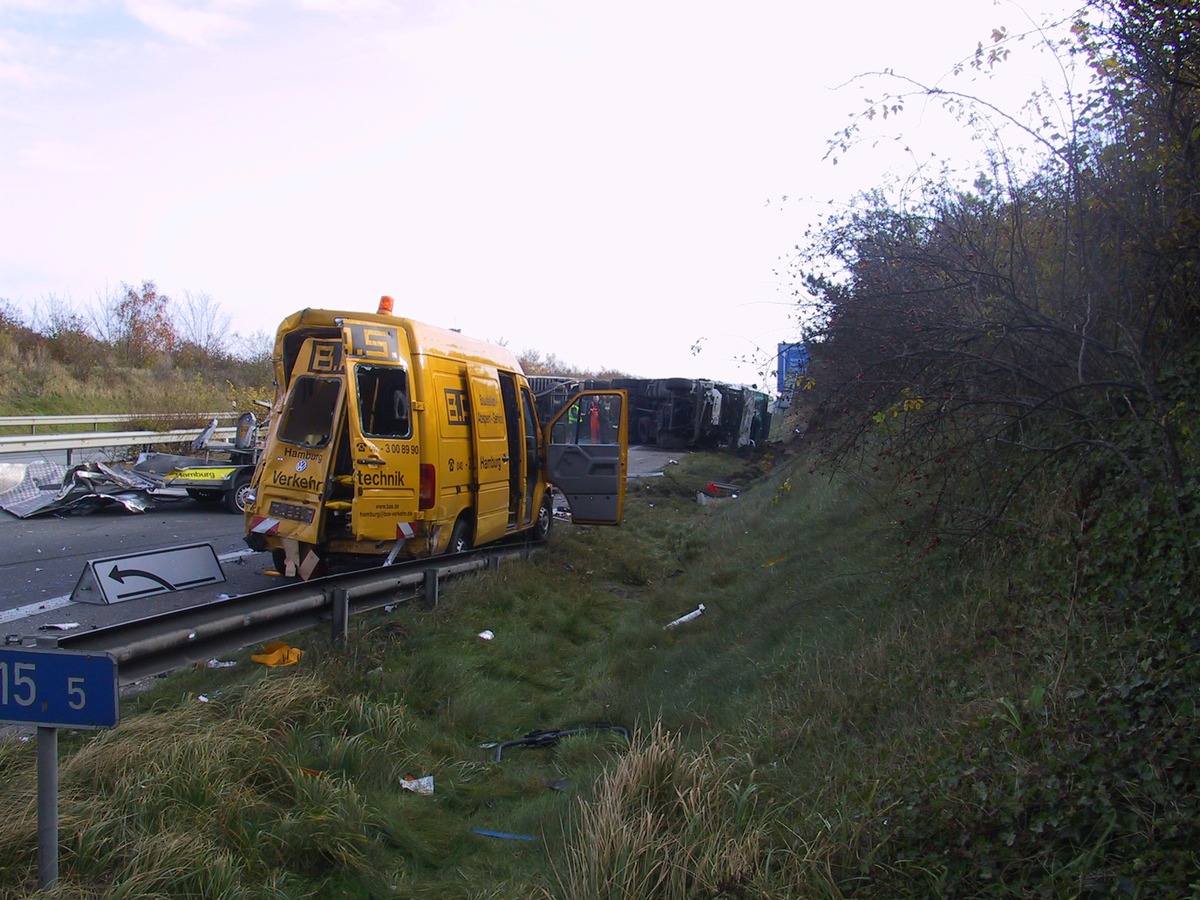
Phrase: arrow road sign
x=119 y=578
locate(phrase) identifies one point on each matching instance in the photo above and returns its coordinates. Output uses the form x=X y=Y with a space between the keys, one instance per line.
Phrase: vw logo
x=302 y=465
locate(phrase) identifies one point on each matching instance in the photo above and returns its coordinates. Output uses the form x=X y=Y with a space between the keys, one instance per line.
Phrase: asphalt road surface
x=43 y=558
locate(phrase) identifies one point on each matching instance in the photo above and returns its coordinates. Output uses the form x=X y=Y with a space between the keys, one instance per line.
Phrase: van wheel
x=545 y=516
x=236 y=497
x=460 y=537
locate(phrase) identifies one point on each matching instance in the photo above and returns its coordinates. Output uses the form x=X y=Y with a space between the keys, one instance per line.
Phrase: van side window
x=589 y=420
x=311 y=406
x=383 y=402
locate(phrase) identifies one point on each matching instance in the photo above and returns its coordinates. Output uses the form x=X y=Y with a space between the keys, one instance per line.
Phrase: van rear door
x=297 y=462
x=383 y=434
x=588 y=455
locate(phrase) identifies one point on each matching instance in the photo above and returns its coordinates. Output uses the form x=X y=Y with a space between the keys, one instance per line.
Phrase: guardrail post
x=431 y=588
x=341 y=614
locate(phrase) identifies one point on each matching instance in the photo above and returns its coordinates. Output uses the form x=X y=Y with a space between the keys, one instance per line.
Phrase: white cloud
x=200 y=24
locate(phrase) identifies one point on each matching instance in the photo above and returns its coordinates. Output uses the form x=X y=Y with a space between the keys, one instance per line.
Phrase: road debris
x=550 y=736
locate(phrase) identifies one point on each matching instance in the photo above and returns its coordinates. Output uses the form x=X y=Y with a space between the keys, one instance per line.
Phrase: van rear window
x=383 y=406
x=310 y=415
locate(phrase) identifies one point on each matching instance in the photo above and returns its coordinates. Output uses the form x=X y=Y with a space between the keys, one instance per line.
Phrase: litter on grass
x=423 y=785
x=278 y=654
x=694 y=614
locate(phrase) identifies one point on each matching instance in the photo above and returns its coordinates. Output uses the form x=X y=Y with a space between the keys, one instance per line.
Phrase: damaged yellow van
x=394 y=439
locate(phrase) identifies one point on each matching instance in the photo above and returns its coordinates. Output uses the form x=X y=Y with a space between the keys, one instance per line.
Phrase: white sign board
x=119 y=578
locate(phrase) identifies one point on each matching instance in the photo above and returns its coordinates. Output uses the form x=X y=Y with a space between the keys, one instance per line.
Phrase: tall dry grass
x=664 y=823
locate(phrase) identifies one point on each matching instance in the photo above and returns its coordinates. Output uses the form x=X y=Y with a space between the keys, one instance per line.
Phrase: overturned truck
x=674 y=413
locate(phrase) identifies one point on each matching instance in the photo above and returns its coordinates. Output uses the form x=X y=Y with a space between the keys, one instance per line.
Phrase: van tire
x=545 y=517
x=235 y=497
x=460 y=537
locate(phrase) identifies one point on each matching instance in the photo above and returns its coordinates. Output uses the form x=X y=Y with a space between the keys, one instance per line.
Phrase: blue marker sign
x=58 y=688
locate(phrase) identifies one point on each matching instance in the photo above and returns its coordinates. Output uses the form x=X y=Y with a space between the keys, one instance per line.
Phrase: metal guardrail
x=96 y=439
x=162 y=643
x=34 y=422
x=90 y=440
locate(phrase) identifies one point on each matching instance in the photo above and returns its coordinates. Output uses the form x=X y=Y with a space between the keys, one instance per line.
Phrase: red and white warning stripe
x=264 y=525
x=405 y=530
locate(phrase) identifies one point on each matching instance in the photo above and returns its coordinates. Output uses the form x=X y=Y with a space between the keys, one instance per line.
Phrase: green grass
x=849 y=716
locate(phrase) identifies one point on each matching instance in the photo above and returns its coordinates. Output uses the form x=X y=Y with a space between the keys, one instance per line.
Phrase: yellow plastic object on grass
x=278 y=654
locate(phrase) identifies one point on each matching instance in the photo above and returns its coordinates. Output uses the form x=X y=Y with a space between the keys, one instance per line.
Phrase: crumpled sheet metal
x=38 y=488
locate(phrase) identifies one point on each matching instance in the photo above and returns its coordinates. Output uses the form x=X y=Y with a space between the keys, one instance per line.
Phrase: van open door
x=588 y=455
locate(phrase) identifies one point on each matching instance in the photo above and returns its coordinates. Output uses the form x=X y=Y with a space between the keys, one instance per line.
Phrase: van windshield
x=311 y=411
x=383 y=406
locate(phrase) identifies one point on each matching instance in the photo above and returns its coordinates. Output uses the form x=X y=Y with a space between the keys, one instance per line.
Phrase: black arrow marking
x=119 y=576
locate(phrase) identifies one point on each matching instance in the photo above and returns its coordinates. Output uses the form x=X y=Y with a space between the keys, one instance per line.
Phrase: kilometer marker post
x=53 y=689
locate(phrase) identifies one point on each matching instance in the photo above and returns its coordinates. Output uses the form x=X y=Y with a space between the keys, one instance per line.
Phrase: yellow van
x=393 y=439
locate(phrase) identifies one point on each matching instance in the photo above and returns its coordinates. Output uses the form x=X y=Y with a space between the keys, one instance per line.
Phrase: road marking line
x=32 y=609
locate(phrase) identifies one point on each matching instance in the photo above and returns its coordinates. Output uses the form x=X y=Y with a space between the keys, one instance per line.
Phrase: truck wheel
x=679 y=385
x=460 y=537
x=235 y=498
x=545 y=516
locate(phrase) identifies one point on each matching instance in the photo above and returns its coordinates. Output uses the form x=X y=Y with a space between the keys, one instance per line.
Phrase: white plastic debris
x=486 y=635
x=422 y=785
x=694 y=614
x=220 y=663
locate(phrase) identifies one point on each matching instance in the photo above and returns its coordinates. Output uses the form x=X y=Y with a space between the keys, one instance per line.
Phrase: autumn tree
x=137 y=324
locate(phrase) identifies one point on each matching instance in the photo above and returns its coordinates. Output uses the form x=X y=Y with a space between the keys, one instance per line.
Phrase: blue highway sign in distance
x=58 y=688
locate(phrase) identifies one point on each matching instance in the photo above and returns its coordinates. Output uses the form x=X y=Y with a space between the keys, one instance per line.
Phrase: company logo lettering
x=373 y=341
x=293 y=453
x=325 y=357
x=380 y=479
x=295 y=482
x=456 y=407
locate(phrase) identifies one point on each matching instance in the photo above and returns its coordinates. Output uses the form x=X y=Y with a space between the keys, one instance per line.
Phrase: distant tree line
x=137 y=327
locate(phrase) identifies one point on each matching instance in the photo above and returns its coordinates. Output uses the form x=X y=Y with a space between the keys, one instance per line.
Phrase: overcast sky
x=604 y=182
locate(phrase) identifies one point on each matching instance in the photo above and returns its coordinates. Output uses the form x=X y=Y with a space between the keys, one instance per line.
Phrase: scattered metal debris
x=550 y=736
